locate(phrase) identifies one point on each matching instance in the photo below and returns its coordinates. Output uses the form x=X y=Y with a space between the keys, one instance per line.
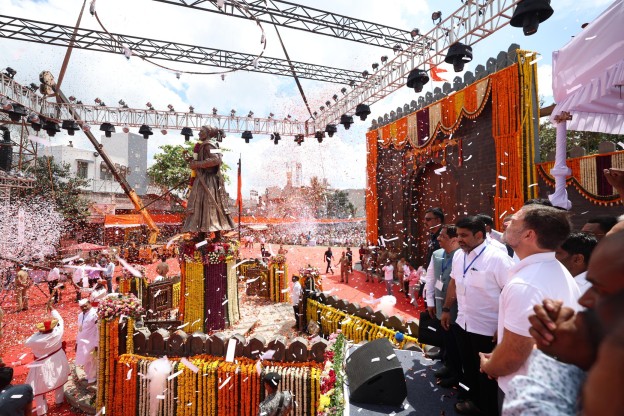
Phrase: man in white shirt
x=479 y=273
x=388 y=270
x=53 y=278
x=574 y=254
x=295 y=297
x=535 y=232
x=87 y=340
x=109 y=271
x=79 y=278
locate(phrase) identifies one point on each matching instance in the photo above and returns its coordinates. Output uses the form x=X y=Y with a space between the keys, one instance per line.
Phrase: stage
x=424 y=397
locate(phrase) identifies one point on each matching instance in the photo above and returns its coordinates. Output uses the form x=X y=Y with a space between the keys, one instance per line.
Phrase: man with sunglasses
x=434 y=218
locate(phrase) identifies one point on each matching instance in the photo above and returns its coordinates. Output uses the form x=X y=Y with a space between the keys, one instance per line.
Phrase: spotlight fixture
x=122 y=103
x=51 y=127
x=276 y=137
x=299 y=139
x=352 y=83
x=10 y=72
x=343 y=90
x=163 y=131
x=126 y=129
x=384 y=59
x=315 y=114
x=108 y=129
x=330 y=129
x=328 y=103
x=346 y=121
x=362 y=111
x=335 y=97
x=436 y=16
x=214 y=111
x=35 y=121
x=149 y=106
x=288 y=117
x=79 y=102
x=322 y=108
x=458 y=54
x=397 y=48
x=365 y=74
x=271 y=115
x=191 y=109
x=415 y=32
x=146 y=131
x=529 y=14
x=232 y=112
x=247 y=136
x=17 y=112
x=319 y=136
x=71 y=98
x=33 y=87
x=250 y=114
x=416 y=79
x=375 y=66
x=71 y=126
x=170 y=107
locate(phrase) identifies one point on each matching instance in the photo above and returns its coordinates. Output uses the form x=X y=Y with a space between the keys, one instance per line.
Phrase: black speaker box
x=375 y=375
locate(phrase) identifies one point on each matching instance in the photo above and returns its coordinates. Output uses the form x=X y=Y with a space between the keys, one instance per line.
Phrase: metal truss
x=13 y=92
x=309 y=19
x=472 y=22
x=52 y=34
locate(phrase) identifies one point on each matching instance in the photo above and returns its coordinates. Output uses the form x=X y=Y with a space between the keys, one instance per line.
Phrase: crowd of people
x=338 y=234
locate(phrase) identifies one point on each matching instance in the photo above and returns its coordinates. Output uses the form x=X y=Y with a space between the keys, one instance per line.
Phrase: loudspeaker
x=6 y=150
x=375 y=374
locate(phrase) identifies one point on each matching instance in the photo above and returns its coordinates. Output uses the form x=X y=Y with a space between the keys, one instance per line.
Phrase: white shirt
x=295 y=293
x=495 y=243
x=109 y=270
x=87 y=338
x=80 y=277
x=158 y=278
x=388 y=272
x=582 y=283
x=55 y=274
x=479 y=288
x=97 y=295
x=535 y=278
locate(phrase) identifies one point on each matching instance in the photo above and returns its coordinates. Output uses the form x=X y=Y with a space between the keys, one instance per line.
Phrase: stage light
x=122 y=103
x=17 y=112
x=384 y=59
x=436 y=16
x=352 y=83
x=365 y=74
x=191 y=109
x=328 y=103
x=214 y=111
x=107 y=128
x=71 y=126
x=415 y=32
x=250 y=114
x=335 y=97
x=79 y=102
x=35 y=121
x=362 y=111
x=126 y=129
x=322 y=108
x=232 y=113
x=319 y=136
x=315 y=114
x=271 y=115
x=276 y=137
x=187 y=132
x=149 y=106
x=458 y=54
x=163 y=132
x=71 y=98
x=247 y=136
x=346 y=121
x=375 y=66
x=33 y=87
x=529 y=14
x=51 y=127
x=397 y=48
x=330 y=129
x=10 y=72
x=416 y=79
x=299 y=139
x=343 y=90
x=170 y=107
x=146 y=131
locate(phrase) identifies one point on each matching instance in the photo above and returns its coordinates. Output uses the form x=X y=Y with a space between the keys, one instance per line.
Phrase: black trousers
x=51 y=285
x=451 y=355
x=329 y=267
x=482 y=391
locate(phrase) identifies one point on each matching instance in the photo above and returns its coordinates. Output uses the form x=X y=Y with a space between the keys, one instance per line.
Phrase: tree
x=317 y=197
x=171 y=170
x=339 y=206
x=55 y=182
x=588 y=140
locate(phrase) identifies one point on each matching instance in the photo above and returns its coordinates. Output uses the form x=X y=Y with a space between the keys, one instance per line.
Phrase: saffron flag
x=239 y=193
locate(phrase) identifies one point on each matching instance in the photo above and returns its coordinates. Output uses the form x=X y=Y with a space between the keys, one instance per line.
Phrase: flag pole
x=239 y=197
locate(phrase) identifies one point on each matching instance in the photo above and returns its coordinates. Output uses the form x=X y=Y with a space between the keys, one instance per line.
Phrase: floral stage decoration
x=313 y=273
x=352 y=327
x=331 y=401
x=206 y=385
x=278 y=279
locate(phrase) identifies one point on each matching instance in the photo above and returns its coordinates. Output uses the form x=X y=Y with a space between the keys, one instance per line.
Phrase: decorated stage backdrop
x=470 y=152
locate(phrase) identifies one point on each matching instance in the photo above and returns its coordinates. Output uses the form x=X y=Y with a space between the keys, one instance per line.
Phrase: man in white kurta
x=50 y=370
x=87 y=340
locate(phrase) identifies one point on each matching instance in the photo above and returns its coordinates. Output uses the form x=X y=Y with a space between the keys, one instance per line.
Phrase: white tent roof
x=588 y=75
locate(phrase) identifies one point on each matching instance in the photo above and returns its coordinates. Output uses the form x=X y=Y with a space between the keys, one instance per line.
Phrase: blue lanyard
x=473 y=260
x=446 y=264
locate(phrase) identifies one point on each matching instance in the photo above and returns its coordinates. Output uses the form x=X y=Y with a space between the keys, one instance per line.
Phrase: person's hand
x=484 y=360
x=615 y=177
x=446 y=320
x=432 y=311
x=543 y=322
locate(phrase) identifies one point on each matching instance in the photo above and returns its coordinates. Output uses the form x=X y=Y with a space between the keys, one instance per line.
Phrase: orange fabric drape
x=386 y=138
x=371 y=187
x=507 y=138
x=400 y=139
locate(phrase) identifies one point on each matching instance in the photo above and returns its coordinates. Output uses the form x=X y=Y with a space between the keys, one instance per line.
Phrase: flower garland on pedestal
x=331 y=401
x=278 y=275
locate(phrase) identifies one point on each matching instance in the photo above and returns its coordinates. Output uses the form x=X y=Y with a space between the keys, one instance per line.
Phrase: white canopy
x=588 y=75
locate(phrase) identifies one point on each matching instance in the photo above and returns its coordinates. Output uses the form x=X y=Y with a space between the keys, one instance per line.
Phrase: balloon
x=399 y=336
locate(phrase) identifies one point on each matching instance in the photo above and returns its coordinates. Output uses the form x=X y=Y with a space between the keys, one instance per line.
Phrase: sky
x=342 y=158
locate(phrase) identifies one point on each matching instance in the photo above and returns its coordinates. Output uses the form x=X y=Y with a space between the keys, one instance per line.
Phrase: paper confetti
x=201 y=243
x=374 y=360
x=174 y=375
x=189 y=365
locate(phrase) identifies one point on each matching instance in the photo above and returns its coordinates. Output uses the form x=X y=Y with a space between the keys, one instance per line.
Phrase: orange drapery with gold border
x=371 y=187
